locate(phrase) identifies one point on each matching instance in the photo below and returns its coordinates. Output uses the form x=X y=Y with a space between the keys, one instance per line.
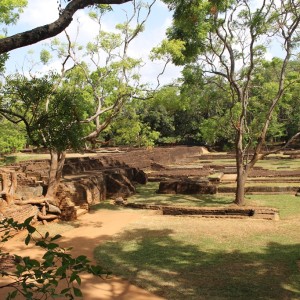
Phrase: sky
x=40 y=12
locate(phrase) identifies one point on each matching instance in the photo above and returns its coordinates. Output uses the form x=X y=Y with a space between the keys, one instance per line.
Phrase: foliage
x=12 y=138
x=33 y=279
x=51 y=114
x=10 y=10
x=129 y=129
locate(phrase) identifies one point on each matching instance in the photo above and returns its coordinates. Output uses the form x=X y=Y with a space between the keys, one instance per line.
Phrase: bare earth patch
x=90 y=231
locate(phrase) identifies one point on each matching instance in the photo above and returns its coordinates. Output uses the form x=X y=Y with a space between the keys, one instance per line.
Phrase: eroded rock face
x=89 y=180
x=86 y=181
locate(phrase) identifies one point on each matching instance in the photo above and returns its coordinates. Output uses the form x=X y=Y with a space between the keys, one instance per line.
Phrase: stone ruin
x=113 y=173
x=86 y=181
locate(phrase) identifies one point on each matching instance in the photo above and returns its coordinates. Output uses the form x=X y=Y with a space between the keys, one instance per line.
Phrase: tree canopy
x=227 y=42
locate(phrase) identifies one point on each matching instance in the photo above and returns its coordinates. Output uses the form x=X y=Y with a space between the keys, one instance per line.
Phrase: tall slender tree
x=228 y=39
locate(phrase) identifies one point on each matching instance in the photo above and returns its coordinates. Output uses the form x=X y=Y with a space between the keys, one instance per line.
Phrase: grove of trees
x=230 y=96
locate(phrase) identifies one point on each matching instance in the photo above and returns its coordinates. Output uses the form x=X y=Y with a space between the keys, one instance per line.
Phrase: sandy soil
x=94 y=228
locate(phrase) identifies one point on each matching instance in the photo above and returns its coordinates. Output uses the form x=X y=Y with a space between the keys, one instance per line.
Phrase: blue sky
x=40 y=12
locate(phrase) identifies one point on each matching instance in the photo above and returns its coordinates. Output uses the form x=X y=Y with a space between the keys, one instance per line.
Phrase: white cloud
x=37 y=13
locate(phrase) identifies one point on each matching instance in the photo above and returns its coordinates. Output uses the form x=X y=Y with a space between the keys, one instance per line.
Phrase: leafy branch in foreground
x=57 y=275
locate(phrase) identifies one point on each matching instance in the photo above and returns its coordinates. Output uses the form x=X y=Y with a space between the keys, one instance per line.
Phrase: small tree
x=12 y=138
x=51 y=116
x=72 y=107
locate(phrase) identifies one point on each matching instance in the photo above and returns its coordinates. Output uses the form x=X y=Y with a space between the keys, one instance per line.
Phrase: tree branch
x=49 y=30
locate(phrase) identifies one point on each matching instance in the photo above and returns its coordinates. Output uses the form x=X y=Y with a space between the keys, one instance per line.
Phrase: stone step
x=212 y=212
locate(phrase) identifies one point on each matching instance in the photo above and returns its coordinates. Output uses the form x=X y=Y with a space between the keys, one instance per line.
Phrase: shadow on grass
x=154 y=260
x=104 y=205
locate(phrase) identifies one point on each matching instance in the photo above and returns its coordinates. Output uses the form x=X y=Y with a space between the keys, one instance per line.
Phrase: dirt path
x=93 y=229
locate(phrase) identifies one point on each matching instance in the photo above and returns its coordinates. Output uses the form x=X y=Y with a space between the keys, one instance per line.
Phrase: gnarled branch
x=50 y=30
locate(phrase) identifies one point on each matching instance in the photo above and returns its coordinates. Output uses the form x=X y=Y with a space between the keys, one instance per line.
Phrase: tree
x=228 y=39
x=129 y=128
x=51 y=116
x=49 y=30
x=64 y=110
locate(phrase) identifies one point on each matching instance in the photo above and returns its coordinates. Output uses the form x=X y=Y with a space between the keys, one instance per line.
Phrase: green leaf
x=52 y=246
x=65 y=290
x=12 y=295
x=78 y=279
x=27 y=240
x=31 y=229
x=81 y=258
x=73 y=276
x=55 y=237
x=41 y=244
x=27 y=221
x=60 y=271
x=77 y=292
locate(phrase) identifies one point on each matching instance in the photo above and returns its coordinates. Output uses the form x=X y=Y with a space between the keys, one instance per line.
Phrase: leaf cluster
x=34 y=279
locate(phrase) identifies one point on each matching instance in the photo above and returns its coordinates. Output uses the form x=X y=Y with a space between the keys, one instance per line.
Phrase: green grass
x=195 y=258
x=146 y=194
x=283 y=163
x=216 y=161
x=107 y=204
x=19 y=157
x=288 y=205
x=253 y=183
x=279 y=164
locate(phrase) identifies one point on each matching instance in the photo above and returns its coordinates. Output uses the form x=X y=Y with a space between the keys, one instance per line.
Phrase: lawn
x=194 y=258
x=147 y=195
x=198 y=258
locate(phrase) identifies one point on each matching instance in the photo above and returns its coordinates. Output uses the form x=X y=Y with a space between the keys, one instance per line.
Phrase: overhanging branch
x=50 y=30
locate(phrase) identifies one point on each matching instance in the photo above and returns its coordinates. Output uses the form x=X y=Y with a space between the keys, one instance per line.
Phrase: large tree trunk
x=242 y=176
x=55 y=173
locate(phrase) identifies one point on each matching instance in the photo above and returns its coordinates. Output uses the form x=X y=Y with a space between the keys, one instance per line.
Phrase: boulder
x=186 y=186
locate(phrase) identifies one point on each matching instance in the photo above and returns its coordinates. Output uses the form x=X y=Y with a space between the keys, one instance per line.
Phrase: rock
x=187 y=186
x=68 y=213
x=120 y=201
x=118 y=184
x=53 y=209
